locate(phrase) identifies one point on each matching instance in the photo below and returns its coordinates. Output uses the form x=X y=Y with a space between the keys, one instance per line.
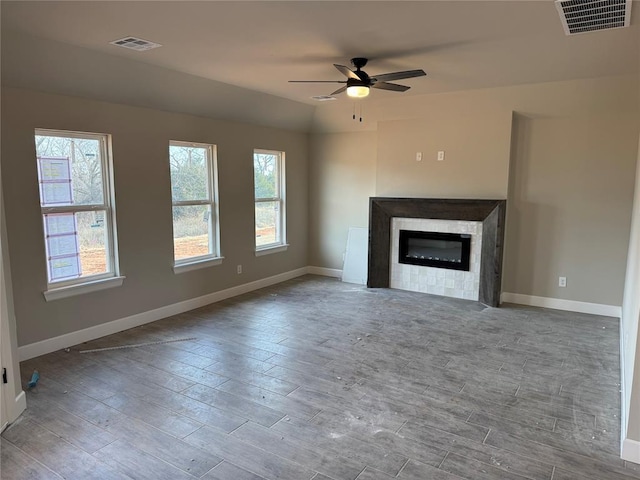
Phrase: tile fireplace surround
x=436 y=280
x=490 y=212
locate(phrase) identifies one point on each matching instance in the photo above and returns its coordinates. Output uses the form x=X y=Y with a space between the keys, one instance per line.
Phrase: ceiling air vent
x=134 y=43
x=323 y=98
x=582 y=16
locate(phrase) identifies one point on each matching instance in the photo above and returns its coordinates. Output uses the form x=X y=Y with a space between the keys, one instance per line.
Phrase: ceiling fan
x=358 y=82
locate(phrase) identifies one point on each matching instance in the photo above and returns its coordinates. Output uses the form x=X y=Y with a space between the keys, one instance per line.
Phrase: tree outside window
x=268 y=177
x=194 y=197
x=75 y=197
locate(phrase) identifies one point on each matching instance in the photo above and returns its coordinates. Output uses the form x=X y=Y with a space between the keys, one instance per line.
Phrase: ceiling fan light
x=358 y=91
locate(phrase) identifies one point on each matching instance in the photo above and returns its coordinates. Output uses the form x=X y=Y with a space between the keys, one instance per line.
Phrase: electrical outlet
x=441 y=155
x=239 y=269
x=418 y=156
x=562 y=281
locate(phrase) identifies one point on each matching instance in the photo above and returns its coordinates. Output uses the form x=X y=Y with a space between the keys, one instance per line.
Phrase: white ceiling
x=261 y=45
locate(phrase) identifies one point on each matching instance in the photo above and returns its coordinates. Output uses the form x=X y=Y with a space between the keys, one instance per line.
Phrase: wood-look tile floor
x=316 y=379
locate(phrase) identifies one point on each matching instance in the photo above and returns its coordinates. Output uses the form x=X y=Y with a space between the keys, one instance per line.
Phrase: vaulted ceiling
x=261 y=45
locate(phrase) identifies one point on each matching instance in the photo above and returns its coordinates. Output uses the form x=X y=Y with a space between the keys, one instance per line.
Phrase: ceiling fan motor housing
x=362 y=82
x=359 y=62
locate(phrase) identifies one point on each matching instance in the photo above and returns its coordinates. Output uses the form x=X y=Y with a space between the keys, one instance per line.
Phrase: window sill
x=272 y=249
x=80 y=289
x=195 y=265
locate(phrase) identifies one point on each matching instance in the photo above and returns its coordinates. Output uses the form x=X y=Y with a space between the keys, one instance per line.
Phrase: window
x=76 y=201
x=195 y=205
x=270 y=208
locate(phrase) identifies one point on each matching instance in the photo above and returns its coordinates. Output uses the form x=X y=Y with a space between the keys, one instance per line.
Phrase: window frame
x=214 y=257
x=112 y=277
x=280 y=197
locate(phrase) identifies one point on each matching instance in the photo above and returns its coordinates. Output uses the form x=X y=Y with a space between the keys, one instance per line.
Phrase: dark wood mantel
x=490 y=212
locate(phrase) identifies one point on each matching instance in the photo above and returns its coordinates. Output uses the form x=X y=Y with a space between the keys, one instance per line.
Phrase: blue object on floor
x=34 y=379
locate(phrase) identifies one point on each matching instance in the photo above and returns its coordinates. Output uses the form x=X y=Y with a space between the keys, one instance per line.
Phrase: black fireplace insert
x=435 y=249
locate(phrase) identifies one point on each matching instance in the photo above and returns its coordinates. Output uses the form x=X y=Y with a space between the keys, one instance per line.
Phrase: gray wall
x=476 y=146
x=143 y=206
x=569 y=206
x=342 y=178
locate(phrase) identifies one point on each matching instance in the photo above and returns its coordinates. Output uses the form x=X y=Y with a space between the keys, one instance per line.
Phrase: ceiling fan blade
x=390 y=86
x=347 y=72
x=317 y=81
x=340 y=90
x=399 y=75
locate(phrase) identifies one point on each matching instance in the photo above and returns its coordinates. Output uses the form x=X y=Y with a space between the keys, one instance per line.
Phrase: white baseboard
x=327 y=272
x=15 y=410
x=63 y=341
x=560 y=304
x=623 y=388
x=630 y=450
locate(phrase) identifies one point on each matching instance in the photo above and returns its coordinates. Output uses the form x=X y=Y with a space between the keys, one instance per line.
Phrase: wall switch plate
x=562 y=281
x=418 y=156
x=441 y=155
x=239 y=269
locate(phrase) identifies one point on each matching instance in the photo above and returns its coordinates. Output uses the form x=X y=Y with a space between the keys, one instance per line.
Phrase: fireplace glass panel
x=435 y=249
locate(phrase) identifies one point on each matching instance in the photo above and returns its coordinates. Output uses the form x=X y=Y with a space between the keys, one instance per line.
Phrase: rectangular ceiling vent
x=134 y=43
x=582 y=16
x=323 y=98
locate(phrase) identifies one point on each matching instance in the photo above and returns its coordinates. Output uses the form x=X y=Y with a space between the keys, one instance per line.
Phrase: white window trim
x=194 y=264
x=82 y=288
x=282 y=245
x=266 y=249
x=110 y=278
x=214 y=258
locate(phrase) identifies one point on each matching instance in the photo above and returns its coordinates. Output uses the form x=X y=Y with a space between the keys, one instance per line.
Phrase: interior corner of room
x=563 y=152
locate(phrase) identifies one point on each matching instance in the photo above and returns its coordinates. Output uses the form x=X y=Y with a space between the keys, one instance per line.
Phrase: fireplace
x=489 y=214
x=444 y=241
x=435 y=249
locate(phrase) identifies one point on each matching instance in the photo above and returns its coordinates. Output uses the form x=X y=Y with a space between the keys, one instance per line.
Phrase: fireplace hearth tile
x=451 y=282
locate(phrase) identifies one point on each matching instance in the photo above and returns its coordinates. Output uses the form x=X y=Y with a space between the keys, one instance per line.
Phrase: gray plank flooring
x=313 y=379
